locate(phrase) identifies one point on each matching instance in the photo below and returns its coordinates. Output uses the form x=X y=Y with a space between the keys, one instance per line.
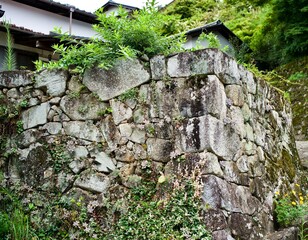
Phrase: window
x=24 y=59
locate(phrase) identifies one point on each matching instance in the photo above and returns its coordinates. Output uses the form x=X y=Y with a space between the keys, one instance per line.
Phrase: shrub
x=119 y=36
x=175 y=216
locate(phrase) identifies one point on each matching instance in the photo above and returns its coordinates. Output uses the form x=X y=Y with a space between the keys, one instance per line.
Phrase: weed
x=13 y=220
x=104 y=112
x=131 y=94
x=212 y=41
x=178 y=119
x=292 y=208
x=10 y=57
x=83 y=109
x=3 y=111
x=174 y=217
x=151 y=129
x=74 y=94
x=59 y=155
x=297 y=76
x=19 y=126
x=24 y=103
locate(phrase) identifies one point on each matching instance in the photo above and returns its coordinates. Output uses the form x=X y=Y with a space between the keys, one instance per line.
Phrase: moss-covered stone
x=288 y=165
x=33 y=170
x=296 y=86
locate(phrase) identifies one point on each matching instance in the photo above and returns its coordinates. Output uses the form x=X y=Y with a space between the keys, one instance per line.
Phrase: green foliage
x=61 y=218
x=275 y=30
x=118 y=36
x=67 y=218
x=83 y=109
x=24 y=103
x=59 y=155
x=292 y=208
x=242 y=17
x=211 y=38
x=19 y=126
x=174 y=217
x=283 y=35
x=14 y=221
x=105 y=111
x=10 y=110
x=150 y=129
x=10 y=58
x=297 y=76
x=131 y=94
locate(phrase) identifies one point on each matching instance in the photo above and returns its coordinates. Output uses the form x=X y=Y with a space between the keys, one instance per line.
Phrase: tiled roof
x=111 y=3
x=214 y=26
x=15 y=28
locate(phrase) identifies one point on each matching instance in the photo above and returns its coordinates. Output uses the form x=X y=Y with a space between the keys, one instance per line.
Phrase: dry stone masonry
x=200 y=107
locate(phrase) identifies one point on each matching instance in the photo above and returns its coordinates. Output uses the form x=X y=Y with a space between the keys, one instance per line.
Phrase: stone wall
x=200 y=107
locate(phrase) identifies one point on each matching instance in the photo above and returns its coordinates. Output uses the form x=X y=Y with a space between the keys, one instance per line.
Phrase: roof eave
x=214 y=26
x=114 y=4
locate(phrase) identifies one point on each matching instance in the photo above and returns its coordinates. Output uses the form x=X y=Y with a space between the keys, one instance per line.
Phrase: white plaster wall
x=42 y=21
x=111 y=10
x=114 y=10
x=191 y=42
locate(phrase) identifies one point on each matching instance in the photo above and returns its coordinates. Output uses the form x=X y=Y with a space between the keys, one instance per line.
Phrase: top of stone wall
x=128 y=74
x=11 y=79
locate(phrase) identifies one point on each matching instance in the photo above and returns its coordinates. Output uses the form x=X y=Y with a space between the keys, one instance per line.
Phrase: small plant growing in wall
x=19 y=126
x=131 y=94
x=59 y=155
x=83 y=109
x=10 y=59
x=105 y=111
x=160 y=207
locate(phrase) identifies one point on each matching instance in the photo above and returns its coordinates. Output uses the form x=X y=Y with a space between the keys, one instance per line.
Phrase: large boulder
x=10 y=79
x=107 y=84
x=209 y=133
x=35 y=116
x=54 y=81
x=93 y=182
x=83 y=130
x=84 y=107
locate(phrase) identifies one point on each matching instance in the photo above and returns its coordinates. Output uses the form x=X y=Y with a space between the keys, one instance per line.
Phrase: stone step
x=302 y=148
x=284 y=234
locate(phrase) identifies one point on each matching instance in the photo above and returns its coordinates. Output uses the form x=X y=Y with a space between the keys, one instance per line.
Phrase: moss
x=32 y=170
x=272 y=171
x=296 y=84
x=288 y=164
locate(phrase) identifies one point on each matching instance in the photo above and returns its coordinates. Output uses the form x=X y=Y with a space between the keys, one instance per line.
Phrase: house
x=31 y=26
x=32 y=23
x=112 y=7
x=225 y=36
